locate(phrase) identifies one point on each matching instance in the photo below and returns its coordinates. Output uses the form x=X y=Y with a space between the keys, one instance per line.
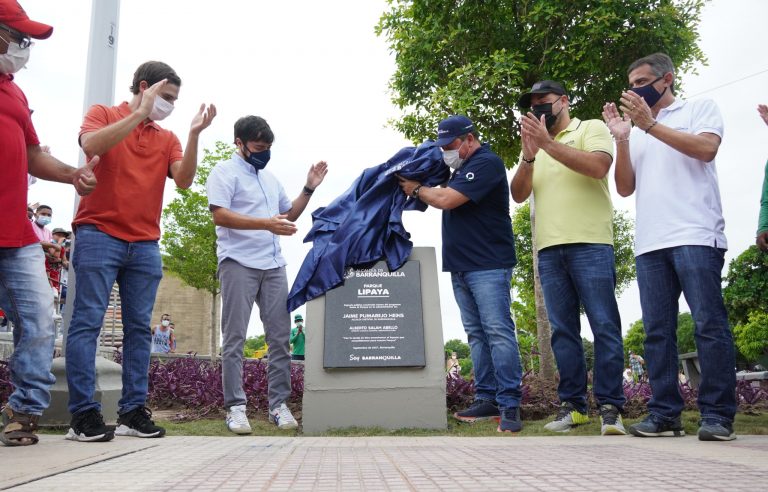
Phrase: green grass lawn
x=744 y=424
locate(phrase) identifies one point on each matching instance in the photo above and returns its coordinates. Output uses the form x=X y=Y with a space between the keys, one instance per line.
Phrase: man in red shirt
x=24 y=292
x=117 y=229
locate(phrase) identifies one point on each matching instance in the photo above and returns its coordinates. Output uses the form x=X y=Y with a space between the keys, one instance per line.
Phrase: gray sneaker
x=567 y=417
x=653 y=426
x=610 y=421
x=712 y=430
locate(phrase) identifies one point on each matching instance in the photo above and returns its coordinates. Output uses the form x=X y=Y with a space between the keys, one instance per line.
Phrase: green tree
x=747 y=286
x=752 y=336
x=635 y=337
x=477 y=58
x=456 y=345
x=252 y=344
x=189 y=236
x=589 y=353
x=633 y=340
x=685 y=328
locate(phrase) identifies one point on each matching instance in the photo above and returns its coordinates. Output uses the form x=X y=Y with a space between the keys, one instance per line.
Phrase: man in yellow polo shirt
x=565 y=162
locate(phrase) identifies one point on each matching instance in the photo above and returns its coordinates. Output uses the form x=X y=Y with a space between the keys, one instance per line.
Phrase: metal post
x=99 y=89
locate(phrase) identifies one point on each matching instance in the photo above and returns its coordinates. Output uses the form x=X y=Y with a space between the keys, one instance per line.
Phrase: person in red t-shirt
x=116 y=238
x=24 y=293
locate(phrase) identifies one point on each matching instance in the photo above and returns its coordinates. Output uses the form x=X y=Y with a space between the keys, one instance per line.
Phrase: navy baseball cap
x=541 y=87
x=452 y=128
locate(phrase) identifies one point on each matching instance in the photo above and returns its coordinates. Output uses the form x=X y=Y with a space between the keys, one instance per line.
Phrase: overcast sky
x=319 y=75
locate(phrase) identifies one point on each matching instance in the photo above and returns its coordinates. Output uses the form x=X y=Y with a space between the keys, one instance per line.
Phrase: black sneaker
x=138 y=423
x=713 y=430
x=479 y=410
x=88 y=426
x=652 y=426
x=510 y=420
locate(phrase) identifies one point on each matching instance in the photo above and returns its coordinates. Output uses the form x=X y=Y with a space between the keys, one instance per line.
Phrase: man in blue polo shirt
x=479 y=251
x=251 y=210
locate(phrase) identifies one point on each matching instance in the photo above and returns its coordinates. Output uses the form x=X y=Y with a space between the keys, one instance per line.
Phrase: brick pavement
x=388 y=463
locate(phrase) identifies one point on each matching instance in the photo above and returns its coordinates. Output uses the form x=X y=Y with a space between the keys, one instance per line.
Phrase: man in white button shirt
x=251 y=210
x=668 y=159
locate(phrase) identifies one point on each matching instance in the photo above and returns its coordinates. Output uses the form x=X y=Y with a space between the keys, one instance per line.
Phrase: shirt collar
x=242 y=163
x=676 y=104
x=573 y=125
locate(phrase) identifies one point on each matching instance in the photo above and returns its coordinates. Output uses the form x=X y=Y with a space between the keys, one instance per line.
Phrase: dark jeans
x=696 y=272
x=584 y=274
x=484 y=299
x=99 y=260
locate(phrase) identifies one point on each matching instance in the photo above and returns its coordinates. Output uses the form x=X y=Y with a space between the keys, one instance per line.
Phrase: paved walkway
x=388 y=463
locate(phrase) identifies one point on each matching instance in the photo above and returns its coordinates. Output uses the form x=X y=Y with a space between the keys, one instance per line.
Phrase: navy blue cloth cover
x=364 y=224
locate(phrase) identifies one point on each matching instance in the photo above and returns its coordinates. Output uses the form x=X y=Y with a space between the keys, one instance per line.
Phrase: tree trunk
x=214 y=325
x=543 y=329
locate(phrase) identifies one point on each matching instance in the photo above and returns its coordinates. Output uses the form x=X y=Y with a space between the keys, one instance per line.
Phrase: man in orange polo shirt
x=117 y=230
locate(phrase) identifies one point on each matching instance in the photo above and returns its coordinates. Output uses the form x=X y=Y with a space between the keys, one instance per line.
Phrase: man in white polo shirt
x=251 y=210
x=668 y=158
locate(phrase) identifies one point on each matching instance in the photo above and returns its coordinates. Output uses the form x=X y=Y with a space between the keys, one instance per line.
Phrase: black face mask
x=649 y=93
x=545 y=110
x=258 y=160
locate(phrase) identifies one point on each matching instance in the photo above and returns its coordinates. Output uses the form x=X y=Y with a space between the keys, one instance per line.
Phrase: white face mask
x=161 y=109
x=15 y=59
x=165 y=322
x=452 y=159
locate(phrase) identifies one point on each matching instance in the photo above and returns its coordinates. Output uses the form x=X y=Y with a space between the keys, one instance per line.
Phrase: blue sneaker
x=479 y=410
x=653 y=426
x=510 y=420
x=713 y=430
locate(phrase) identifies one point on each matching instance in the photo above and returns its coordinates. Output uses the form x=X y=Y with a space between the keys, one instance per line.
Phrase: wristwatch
x=415 y=192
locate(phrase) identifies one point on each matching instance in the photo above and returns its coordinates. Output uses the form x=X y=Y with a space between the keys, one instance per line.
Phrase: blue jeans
x=696 y=272
x=25 y=296
x=573 y=275
x=99 y=260
x=484 y=299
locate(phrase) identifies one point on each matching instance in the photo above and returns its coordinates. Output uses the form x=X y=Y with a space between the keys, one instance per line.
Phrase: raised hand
x=763 y=110
x=637 y=109
x=84 y=180
x=619 y=126
x=148 y=97
x=535 y=130
x=762 y=241
x=316 y=174
x=530 y=148
x=202 y=119
x=281 y=226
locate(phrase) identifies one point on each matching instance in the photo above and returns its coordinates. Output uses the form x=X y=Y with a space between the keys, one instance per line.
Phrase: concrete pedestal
x=392 y=397
x=109 y=386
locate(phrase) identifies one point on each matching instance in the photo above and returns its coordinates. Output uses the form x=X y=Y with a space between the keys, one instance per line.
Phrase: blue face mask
x=257 y=159
x=649 y=93
x=43 y=220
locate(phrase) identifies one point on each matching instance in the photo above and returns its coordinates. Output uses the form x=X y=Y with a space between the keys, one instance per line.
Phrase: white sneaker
x=237 y=421
x=282 y=417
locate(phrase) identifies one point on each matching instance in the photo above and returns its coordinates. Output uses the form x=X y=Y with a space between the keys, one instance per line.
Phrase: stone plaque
x=375 y=319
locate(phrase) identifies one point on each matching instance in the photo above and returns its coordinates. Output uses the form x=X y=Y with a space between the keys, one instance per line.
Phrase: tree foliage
x=189 y=236
x=477 y=58
x=747 y=288
x=456 y=345
x=522 y=278
x=752 y=336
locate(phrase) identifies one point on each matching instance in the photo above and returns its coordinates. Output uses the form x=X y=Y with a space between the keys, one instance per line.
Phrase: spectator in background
x=762 y=225
x=24 y=292
x=163 y=338
x=636 y=362
x=297 y=338
x=453 y=367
